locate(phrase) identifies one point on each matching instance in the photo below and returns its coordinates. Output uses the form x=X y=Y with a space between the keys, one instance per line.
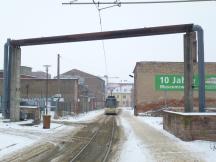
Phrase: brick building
x=40 y=74
x=94 y=85
x=80 y=91
x=32 y=88
x=147 y=96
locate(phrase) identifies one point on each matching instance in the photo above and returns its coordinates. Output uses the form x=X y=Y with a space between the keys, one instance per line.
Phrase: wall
x=122 y=91
x=124 y=99
x=147 y=98
x=191 y=126
x=36 y=88
x=95 y=85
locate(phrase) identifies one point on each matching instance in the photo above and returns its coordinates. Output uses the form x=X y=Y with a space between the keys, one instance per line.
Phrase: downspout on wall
x=7 y=79
x=201 y=66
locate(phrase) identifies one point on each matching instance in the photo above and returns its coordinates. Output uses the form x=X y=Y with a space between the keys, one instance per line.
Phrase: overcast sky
x=39 y=18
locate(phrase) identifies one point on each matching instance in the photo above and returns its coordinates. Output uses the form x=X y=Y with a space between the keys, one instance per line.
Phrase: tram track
x=102 y=140
x=91 y=143
x=110 y=142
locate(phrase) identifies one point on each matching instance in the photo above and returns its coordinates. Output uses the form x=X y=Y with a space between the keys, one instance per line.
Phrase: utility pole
x=27 y=90
x=121 y=93
x=47 y=70
x=58 y=72
x=58 y=85
x=106 y=89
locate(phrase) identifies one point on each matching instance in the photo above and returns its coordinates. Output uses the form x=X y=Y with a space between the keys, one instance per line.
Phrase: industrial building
x=161 y=84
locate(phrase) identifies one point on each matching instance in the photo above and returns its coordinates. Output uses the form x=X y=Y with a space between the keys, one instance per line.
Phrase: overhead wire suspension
x=135 y=2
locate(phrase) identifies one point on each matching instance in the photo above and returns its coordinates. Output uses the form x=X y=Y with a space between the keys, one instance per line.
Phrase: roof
x=141 y=63
x=22 y=76
x=123 y=89
x=78 y=73
x=164 y=63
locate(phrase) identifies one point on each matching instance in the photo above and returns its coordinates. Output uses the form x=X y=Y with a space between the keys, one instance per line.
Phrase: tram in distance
x=111 y=105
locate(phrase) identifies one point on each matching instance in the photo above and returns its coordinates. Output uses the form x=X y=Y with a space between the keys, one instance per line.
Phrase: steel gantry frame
x=12 y=57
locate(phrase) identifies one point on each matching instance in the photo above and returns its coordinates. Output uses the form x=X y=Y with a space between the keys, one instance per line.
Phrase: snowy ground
x=84 y=117
x=17 y=135
x=132 y=149
x=10 y=143
x=207 y=149
x=133 y=146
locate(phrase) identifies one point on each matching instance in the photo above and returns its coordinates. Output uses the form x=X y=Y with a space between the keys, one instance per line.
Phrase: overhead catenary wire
x=101 y=29
x=103 y=46
x=135 y=2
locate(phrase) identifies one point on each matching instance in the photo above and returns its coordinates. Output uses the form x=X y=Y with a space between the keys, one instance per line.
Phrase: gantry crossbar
x=185 y=28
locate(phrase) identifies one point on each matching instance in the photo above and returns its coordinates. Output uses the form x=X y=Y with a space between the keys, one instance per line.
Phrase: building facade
x=40 y=74
x=152 y=92
x=35 y=90
x=79 y=91
x=122 y=92
x=95 y=85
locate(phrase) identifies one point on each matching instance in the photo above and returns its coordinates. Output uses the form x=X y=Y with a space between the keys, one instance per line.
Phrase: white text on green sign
x=166 y=82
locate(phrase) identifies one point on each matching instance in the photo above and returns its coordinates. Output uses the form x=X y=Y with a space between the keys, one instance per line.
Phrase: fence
x=40 y=102
x=83 y=105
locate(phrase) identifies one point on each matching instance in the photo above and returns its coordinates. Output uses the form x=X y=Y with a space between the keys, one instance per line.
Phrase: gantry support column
x=15 y=84
x=6 y=105
x=189 y=58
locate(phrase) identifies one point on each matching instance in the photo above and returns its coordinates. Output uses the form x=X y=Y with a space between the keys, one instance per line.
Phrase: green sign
x=176 y=82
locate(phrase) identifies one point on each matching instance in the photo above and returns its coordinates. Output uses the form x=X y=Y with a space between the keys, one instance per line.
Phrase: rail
x=109 y=146
x=110 y=143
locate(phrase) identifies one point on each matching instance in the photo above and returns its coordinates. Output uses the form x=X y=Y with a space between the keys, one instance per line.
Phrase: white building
x=122 y=92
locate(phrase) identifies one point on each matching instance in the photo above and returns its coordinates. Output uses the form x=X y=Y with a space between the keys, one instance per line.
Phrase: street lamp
x=131 y=76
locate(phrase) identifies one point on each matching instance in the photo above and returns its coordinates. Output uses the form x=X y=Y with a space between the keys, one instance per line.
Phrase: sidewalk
x=161 y=147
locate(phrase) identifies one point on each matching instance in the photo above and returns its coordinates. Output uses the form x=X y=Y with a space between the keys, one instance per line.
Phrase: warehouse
x=161 y=84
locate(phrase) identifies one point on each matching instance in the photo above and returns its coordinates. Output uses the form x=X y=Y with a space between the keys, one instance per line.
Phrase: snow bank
x=10 y=143
x=194 y=113
x=26 y=126
x=17 y=135
x=83 y=117
x=156 y=122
